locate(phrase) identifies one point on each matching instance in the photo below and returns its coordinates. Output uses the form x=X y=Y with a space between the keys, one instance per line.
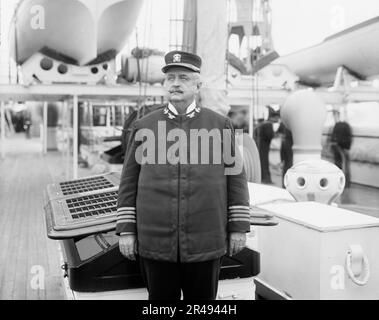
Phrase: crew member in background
x=265 y=133
x=239 y=115
x=342 y=138
x=180 y=219
x=286 y=153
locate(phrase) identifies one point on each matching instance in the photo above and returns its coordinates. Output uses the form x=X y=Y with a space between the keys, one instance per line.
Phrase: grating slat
x=92 y=205
x=85 y=185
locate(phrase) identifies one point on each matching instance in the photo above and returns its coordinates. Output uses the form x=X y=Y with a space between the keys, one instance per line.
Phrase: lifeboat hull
x=78 y=29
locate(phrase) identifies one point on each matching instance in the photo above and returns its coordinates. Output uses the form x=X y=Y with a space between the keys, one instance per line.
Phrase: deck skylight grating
x=85 y=185
x=93 y=205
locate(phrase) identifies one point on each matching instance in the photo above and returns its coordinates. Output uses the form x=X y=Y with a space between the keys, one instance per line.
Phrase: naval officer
x=179 y=218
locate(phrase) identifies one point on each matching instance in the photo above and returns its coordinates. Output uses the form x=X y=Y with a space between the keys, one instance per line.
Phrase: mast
x=205 y=33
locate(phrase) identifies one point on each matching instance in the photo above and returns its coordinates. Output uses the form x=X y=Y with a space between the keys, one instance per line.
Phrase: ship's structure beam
x=76 y=93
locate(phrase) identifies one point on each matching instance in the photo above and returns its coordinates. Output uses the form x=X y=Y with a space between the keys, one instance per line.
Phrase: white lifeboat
x=355 y=48
x=77 y=29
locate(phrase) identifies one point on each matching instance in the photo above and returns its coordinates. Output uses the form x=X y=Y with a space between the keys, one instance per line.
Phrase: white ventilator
x=315 y=180
x=304 y=113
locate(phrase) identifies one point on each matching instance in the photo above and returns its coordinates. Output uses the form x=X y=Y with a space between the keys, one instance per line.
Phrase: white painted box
x=306 y=255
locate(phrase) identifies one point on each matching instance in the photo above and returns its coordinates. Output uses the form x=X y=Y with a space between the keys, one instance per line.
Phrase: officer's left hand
x=237 y=241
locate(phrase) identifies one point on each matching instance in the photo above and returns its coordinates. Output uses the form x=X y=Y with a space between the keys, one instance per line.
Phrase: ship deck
x=26 y=252
x=25 y=248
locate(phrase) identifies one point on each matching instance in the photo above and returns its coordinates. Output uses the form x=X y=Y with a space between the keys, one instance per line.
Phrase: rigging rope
x=255 y=78
x=229 y=18
x=148 y=42
x=142 y=62
x=138 y=77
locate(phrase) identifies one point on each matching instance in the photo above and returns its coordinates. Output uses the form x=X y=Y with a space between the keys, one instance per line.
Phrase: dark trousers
x=166 y=280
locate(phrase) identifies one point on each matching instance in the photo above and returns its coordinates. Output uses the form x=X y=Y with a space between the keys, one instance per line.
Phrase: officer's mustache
x=176 y=91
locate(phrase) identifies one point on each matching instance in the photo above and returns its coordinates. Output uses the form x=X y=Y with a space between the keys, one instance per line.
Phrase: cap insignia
x=177 y=57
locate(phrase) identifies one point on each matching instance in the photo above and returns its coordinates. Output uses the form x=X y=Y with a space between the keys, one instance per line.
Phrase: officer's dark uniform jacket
x=182 y=211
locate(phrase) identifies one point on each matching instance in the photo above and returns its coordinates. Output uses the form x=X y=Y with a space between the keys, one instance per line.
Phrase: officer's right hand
x=128 y=246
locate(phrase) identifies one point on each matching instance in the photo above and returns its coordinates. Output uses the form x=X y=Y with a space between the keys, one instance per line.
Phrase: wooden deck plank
x=10 y=234
x=24 y=175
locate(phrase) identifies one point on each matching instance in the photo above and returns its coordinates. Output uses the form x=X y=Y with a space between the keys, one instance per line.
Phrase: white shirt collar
x=190 y=108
